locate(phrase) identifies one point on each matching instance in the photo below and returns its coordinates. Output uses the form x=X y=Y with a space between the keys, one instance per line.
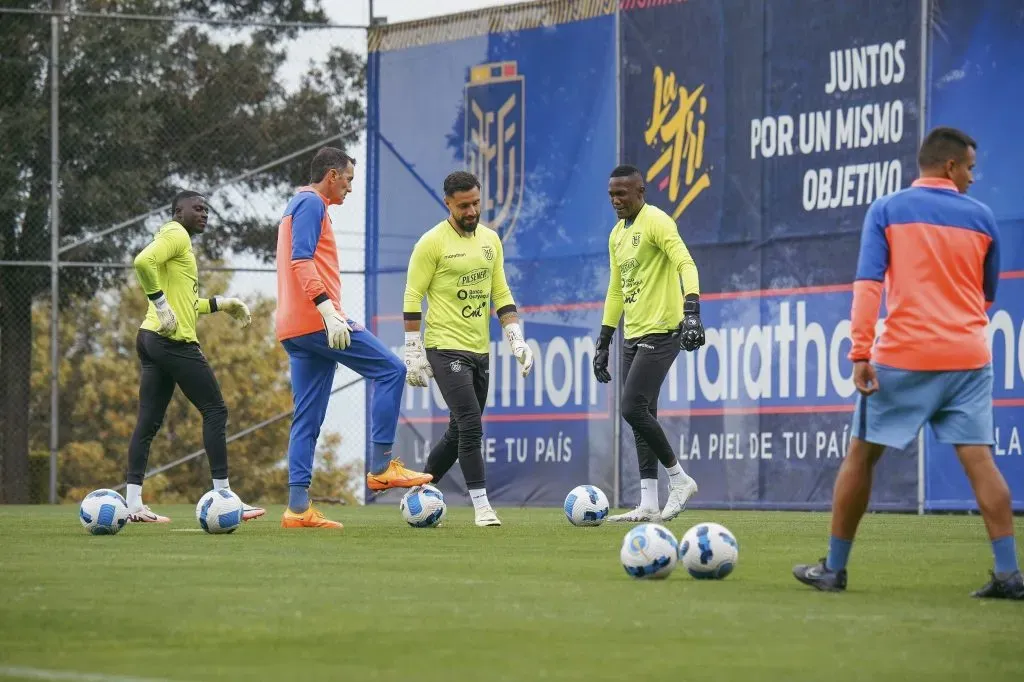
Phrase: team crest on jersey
x=455 y=366
x=495 y=119
x=636 y=239
x=488 y=253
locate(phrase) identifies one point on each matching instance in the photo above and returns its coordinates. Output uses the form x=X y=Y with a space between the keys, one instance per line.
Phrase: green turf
x=535 y=599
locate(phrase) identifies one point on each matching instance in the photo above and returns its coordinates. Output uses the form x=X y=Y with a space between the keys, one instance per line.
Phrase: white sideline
x=42 y=674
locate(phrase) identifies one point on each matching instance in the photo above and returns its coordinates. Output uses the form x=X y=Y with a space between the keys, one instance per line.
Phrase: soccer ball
x=586 y=505
x=423 y=507
x=649 y=551
x=103 y=512
x=219 y=511
x=709 y=551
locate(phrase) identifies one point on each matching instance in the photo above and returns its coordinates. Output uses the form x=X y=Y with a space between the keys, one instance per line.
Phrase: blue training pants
x=313 y=363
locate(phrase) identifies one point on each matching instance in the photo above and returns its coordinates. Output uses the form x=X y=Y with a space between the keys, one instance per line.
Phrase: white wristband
x=326 y=308
x=513 y=332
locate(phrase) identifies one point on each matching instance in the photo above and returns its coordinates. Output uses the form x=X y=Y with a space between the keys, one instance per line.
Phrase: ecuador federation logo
x=495 y=119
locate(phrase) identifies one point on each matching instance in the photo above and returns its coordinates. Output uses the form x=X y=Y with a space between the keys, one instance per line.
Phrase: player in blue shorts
x=935 y=251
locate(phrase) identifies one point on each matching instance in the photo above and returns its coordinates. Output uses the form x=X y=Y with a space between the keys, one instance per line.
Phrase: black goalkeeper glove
x=604 y=342
x=691 y=330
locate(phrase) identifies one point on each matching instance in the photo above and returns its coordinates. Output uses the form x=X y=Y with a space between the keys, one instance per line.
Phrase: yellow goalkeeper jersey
x=168 y=264
x=460 y=276
x=648 y=259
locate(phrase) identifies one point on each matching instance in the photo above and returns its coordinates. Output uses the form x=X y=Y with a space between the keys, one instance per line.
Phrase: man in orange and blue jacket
x=935 y=252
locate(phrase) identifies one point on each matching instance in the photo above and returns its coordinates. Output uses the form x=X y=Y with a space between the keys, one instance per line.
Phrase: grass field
x=536 y=599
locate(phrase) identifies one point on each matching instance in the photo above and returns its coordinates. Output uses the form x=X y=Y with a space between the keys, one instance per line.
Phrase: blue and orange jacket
x=307 y=265
x=936 y=252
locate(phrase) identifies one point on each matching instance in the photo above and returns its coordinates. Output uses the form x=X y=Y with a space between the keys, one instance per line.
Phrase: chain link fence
x=102 y=120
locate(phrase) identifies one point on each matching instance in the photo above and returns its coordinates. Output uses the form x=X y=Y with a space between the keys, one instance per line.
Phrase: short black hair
x=327 y=159
x=625 y=171
x=943 y=144
x=181 y=196
x=459 y=181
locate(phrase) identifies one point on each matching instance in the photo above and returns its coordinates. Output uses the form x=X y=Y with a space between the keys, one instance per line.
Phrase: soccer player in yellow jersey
x=648 y=261
x=459 y=266
x=169 y=350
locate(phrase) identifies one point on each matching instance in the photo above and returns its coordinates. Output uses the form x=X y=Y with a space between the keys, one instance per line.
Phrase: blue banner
x=840 y=119
x=532 y=112
x=975 y=84
x=766 y=130
x=946 y=485
x=975 y=56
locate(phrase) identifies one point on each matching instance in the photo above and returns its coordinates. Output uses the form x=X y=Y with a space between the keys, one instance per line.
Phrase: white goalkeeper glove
x=520 y=349
x=339 y=334
x=165 y=315
x=236 y=309
x=418 y=371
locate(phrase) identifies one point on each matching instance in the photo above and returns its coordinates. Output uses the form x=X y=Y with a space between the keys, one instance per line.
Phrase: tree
x=145 y=108
x=100 y=376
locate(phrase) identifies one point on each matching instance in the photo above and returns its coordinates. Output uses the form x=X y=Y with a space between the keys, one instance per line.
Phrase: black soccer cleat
x=820 y=577
x=1009 y=587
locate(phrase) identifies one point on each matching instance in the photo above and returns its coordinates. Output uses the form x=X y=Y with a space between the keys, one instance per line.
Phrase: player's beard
x=468 y=228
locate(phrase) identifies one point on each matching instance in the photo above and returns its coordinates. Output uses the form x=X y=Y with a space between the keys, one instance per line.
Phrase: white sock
x=479 y=497
x=221 y=484
x=134 y=496
x=649 y=494
x=676 y=475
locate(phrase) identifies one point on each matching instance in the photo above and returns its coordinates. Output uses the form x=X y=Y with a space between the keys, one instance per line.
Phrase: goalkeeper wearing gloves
x=317 y=335
x=459 y=266
x=648 y=260
x=170 y=352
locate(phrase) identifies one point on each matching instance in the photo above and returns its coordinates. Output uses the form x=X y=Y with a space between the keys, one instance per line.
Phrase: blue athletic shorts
x=958 y=405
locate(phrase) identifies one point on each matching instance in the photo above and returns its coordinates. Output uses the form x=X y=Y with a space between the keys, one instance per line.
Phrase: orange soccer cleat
x=311 y=518
x=397 y=476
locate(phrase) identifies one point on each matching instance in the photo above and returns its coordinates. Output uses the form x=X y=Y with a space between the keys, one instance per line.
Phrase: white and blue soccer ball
x=649 y=551
x=709 y=551
x=103 y=512
x=423 y=507
x=586 y=505
x=219 y=511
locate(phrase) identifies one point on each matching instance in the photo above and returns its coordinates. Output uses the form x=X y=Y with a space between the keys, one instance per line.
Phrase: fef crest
x=495 y=120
